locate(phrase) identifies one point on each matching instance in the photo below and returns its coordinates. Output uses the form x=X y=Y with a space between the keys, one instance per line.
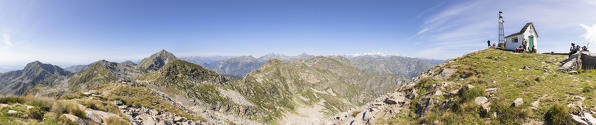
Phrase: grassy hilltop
x=548 y=94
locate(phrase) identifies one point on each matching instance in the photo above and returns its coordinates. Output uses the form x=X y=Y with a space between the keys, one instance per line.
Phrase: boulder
x=74 y=119
x=94 y=117
x=12 y=112
x=147 y=120
x=118 y=102
x=535 y=104
x=584 y=118
x=153 y=112
x=389 y=101
x=470 y=86
x=481 y=100
x=446 y=73
x=518 y=102
x=490 y=90
x=179 y=119
x=438 y=92
x=486 y=107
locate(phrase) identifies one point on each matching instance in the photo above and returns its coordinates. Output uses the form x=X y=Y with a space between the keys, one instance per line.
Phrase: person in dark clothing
x=572 y=49
x=488 y=42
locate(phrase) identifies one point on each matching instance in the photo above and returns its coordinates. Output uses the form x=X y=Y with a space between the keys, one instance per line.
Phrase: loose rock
x=12 y=112
x=481 y=100
x=518 y=102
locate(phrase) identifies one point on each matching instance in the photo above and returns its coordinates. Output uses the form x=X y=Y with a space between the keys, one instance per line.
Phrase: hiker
x=572 y=49
x=488 y=42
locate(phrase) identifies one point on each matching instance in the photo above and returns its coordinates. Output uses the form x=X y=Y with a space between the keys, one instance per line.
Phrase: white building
x=527 y=36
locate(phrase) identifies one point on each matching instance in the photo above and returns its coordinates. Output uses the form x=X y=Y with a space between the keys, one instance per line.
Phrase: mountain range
x=485 y=87
x=239 y=66
x=270 y=89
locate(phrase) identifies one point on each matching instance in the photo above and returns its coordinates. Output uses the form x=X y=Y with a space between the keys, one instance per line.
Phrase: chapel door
x=531 y=44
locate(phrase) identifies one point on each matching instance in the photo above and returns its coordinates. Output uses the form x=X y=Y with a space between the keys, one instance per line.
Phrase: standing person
x=488 y=42
x=572 y=49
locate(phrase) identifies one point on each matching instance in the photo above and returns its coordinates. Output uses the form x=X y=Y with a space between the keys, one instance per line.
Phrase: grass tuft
x=558 y=115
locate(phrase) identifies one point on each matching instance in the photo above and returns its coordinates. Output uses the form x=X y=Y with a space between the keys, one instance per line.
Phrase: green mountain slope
x=277 y=88
x=489 y=87
x=183 y=78
x=102 y=72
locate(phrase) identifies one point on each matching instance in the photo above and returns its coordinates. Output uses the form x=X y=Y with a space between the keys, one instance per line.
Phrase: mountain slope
x=180 y=75
x=278 y=88
x=238 y=66
x=403 y=66
x=76 y=68
x=35 y=73
x=156 y=61
x=487 y=87
x=275 y=90
x=102 y=72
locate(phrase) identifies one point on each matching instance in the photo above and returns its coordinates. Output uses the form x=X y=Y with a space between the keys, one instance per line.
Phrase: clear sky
x=68 y=32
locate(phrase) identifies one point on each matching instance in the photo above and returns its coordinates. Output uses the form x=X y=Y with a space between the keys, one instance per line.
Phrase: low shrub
x=59 y=108
x=587 y=89
x=558 y=115
x=506 y=114
x=467 y=94
x=36 y=113
x=11 y=100
x=116 y=121
x=42 y=104
x=355 y=113
x=79 y=113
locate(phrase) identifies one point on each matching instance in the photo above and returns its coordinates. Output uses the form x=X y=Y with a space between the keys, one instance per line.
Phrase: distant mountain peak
x=37 y=66
x=36 y=72
x=156 y=61
x=128 y=62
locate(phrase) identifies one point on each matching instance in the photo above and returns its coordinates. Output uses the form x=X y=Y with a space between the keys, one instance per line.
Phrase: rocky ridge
x=460 y=92
x=35 y=73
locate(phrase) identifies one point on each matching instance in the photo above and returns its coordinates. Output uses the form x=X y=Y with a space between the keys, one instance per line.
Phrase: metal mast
x=501 y=29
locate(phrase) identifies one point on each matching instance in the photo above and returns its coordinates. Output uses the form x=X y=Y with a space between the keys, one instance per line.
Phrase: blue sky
x=69 y=32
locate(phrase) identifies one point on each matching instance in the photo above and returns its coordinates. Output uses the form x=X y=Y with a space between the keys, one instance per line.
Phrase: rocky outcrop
x=385 y=106
x=146 y=116
x=584 y=117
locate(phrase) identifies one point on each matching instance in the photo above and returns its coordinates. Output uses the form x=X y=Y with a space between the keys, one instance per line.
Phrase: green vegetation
x=532 y=77
x=466 y=94
x=558 y=115
x=355 y=113
x=11 y=100
x=507 y=114
x=44 y=111
x=91 y=77
x=116 y=121
x=140 y=96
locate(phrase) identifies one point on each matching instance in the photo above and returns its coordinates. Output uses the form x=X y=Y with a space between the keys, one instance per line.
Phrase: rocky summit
x=156 y=61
